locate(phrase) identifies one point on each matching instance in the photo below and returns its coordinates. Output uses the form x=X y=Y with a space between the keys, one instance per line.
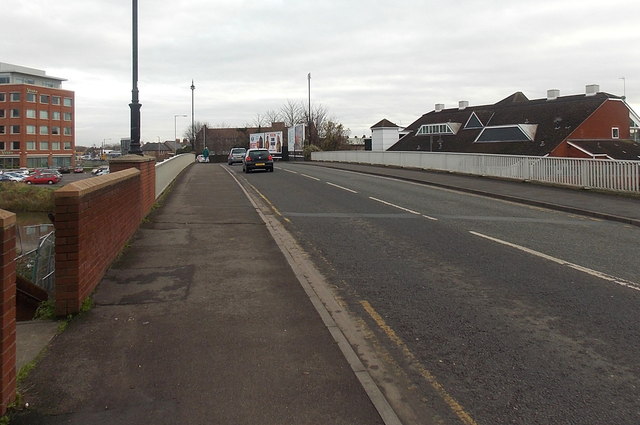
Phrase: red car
x=42 y=179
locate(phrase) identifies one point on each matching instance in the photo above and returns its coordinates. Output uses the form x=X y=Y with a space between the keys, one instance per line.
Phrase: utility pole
x=134 y=146
x=193 y=127
x=309 y=121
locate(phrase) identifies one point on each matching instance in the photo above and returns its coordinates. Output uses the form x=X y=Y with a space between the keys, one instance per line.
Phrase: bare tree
x=292 y=113
x=192 y=131
x=272 y=116
x=259 y=121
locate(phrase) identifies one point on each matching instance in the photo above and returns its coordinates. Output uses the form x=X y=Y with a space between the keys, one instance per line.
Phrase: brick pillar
x=147 y=167
x=7 y=309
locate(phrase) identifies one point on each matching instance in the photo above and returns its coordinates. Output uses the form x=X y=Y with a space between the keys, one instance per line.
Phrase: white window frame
x=615 y=132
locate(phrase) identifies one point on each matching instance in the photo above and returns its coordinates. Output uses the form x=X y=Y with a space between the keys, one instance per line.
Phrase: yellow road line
x=275 y=210
x=428 y=376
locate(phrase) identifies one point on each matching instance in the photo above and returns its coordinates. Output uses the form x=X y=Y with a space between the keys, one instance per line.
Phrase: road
x=496 y=313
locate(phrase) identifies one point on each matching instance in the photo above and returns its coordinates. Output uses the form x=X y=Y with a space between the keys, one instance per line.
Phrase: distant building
x=590 y=125
x=37 y=119
x=160 y=151
x=219 y=141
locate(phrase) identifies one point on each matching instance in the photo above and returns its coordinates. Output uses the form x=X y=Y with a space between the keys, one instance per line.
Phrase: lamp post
x=309 y=123
x=134 y=146
x=193 y=128
x=175 y=130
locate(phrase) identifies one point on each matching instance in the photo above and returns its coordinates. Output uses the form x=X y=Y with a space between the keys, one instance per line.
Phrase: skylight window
x=473 y=122
x=442 y=128
x=507 y=133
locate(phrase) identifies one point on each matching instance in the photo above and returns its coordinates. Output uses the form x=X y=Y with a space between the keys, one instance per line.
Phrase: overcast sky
x=368 y=60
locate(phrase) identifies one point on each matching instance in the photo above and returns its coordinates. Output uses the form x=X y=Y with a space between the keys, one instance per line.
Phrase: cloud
x=368 y=59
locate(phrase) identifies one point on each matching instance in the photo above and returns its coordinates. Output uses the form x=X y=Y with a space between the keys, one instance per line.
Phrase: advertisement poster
x=271 y=140
x=296 y=137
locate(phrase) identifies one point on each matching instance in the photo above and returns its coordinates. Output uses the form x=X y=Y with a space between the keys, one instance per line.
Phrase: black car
x=257 y=159
x=64 y=170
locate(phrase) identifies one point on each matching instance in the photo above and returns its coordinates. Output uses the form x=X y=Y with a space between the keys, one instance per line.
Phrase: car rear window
x=259 y=154
x=238 y=150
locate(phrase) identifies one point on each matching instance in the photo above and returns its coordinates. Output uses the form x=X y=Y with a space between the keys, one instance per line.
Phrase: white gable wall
x=382 y=138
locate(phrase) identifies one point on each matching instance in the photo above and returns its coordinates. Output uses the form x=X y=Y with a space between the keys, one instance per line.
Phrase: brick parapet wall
x=7 y=309
x=94 y=218
x=147 y=167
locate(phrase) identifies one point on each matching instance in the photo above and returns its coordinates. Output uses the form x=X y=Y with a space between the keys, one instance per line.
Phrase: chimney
x=553 y=94
x=463 y=104
x=439 y=107
x=592 y=89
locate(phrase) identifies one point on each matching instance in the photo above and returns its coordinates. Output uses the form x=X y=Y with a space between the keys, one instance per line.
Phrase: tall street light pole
x=309 y=123
x=175 y=129
x=193 y=128
x=134 y=146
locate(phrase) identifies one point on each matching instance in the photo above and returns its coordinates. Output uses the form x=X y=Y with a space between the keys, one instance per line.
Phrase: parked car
x=236 y=155
x=64 y=169
x=13 y=176
x=103 y=171
x=257 y=159
x=99 y=169
x=6 y=178
x=42 y=178
x=78 y=170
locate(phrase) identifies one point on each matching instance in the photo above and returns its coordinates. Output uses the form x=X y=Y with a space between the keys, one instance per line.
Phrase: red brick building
x=37 y=119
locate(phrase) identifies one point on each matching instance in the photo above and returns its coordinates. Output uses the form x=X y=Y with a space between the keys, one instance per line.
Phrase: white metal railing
x=603 y=174
x=168 y=170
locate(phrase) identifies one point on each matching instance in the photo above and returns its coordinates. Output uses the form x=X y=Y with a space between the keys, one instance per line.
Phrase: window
x=15 y=129
x=31 y=97
x=15 y=97
x=55 y=146
x=55 y=100
x=2 y=113
x=31 y=145
x=67 y=101
x=67 y=131
x=446 y=128
x=31 y=129
x=473 y=122
x=55 y=130
x=31 y=113
x=67 y=146
x=3 y=97
x=44 y=115
x=2 y=146
x=44 y=146
x=615 y=133
x=15 y=113
x=67 y=116
x=44 y=98
x=55 y=115
x=15 y=146
x=507 y=133
x=2 y=129
x=44 y=129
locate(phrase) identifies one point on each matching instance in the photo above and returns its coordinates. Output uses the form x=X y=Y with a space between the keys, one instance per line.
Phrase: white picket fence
x=623 y=176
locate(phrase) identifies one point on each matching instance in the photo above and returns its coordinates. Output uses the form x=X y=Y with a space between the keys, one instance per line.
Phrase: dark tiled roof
x=384 y=123
x=155 y=147
x=554 y=121
x=617 y=149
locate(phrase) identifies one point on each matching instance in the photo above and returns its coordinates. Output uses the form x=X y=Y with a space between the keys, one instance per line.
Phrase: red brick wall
x=612 y=113
x=94 y=218
x=147 y=167
x=7 y=309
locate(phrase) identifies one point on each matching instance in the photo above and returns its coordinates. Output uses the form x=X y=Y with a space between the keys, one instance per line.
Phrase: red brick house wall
x=612 y=113
x=7 y=309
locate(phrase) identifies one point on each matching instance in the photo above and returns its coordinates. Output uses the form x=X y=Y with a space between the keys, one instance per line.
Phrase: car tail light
x=269 y=158
x=248 y=158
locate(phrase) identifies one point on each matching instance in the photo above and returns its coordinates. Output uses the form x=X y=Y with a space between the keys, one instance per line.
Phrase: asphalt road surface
x=498 y=313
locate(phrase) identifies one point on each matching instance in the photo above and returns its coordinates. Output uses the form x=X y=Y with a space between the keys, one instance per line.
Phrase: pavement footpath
x=203 y=321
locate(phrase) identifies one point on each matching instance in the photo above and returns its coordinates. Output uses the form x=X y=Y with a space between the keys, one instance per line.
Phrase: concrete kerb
x=521 y=200
x=324 y=303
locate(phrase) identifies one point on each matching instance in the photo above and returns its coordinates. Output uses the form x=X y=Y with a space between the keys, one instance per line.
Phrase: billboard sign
x=271 y=140
x=296 y=137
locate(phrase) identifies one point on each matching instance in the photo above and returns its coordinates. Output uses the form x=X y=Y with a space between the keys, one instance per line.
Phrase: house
x=384 y=134
x=160 y=151
x=590 y=125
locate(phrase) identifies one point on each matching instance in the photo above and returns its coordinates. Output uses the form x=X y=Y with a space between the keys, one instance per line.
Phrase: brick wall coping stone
x=132 y=158
x=7 y=219
x=86 y=186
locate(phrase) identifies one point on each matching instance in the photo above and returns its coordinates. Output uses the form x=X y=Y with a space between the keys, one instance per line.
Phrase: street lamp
x=193 y=129
x=175 y=130
x=134 y=146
